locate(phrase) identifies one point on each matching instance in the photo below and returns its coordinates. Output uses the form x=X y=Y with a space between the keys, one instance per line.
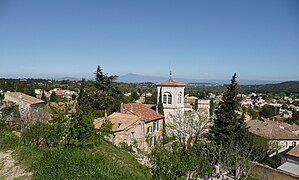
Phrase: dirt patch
x=8 y=168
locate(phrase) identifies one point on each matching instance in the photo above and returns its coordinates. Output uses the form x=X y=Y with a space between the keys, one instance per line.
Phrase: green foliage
x=53 y=97
x=43 y=97
x=125 y=147
x=160 y=104
x=259 y=147
x=195 y=106
x=35 y=133
x=102 y=94
x=212 y=107
x=227 y=126
x=106 y=129
x=74 y=96
x=43 y=134
x=134 y=95
x=8 y=140
x=267 y=111
x=81 y=128
x=106 y=162
x=294 y=118
x=175 y=163
x=253 y=113
x=83 y=98
x=284 y=87
x=273 y=162
x=152 y=99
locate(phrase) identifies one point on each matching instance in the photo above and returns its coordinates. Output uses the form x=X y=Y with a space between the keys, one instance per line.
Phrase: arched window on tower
x=167 y=98
x=164 y=98
x=180 y=98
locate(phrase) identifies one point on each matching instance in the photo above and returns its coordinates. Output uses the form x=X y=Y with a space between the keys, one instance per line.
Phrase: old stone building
x=30 y=108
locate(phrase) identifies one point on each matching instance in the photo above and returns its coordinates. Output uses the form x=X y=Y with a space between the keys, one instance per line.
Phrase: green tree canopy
x=53 y=97
x=267 y=111
x=227 y=127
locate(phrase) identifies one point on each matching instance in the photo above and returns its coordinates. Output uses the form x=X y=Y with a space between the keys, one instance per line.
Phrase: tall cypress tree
x=83 y=99
x=227 y=127
x=160 y=104
x=43 y=97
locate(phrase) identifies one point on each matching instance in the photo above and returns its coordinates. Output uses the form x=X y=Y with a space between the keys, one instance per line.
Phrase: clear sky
x=212 y=39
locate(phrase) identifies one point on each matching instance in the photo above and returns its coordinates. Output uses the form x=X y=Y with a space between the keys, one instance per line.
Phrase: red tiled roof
x=120 y=121
x=293 y=127
x=170 y=82
x=294 y=151
x=275 y=122
x=24 y=97
x=142 y=111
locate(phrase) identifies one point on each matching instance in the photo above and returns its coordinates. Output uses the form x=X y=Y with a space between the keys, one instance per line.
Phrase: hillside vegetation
x=286 y=87
x=102 y=162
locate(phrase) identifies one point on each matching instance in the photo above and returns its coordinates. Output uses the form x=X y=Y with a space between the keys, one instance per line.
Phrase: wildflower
x=206 y=177
x=197 y=168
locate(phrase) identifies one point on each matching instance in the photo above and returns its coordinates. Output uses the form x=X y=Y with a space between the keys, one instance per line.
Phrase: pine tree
x=227 y=127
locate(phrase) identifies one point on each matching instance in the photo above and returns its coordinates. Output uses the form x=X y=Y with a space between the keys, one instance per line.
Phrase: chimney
x=121 y=108
x=105 y=114
x=131 y=108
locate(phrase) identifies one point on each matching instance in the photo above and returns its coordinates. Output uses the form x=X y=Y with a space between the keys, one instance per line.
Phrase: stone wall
x=264 y=172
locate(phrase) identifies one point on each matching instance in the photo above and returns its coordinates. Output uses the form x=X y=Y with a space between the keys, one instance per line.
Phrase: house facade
x=280 y=138
x=30 y=108
x=136 y=125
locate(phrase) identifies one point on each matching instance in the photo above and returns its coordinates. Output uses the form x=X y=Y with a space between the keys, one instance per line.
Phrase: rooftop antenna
x=170 y=74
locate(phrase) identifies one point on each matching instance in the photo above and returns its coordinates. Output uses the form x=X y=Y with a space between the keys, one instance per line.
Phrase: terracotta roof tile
x=142 y=111
x=170 y=82
x=293 y=127
x=24 y=97
x=120 y=121
x=294 y=151
x=270 y=131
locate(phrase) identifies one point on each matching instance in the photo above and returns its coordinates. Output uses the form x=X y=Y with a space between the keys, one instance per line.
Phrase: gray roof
x=270 y=131
x=290 y=167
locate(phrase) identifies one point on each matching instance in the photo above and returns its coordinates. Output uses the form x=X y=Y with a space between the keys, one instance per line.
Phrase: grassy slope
x=104 y=162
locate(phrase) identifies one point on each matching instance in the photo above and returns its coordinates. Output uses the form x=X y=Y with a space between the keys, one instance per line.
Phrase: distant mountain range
x=137 y=78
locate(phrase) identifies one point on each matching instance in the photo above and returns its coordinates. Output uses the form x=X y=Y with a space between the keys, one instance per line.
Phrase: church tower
x=172 y=97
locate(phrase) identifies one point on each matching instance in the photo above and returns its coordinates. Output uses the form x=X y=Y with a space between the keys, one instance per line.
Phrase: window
x=132 y=135
x=164 y=99
x=180 y=98
x=167 y=98
x=154 y=126
x=157 y=124
x=149 y=129
x=155 y=140
x=294 y=143
x=159 y=138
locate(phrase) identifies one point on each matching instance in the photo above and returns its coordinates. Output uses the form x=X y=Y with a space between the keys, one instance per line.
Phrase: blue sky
x=258 y=39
